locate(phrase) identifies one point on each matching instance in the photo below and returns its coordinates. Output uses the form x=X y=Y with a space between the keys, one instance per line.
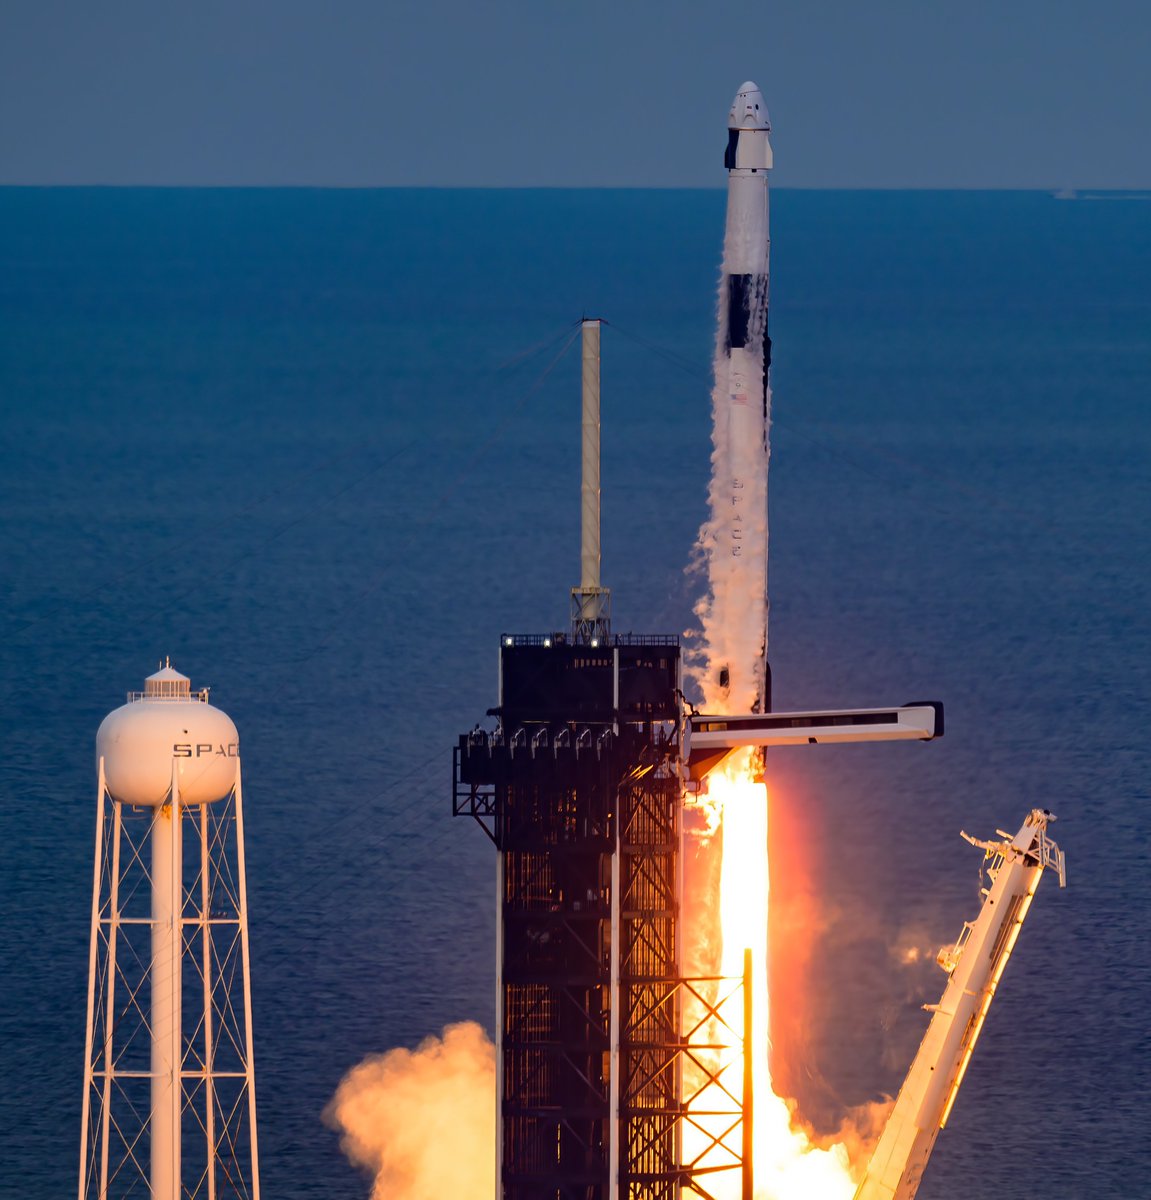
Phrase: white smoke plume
x=423 y=1121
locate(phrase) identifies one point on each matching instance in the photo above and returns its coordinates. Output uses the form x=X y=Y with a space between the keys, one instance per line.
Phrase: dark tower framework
x=580 y=788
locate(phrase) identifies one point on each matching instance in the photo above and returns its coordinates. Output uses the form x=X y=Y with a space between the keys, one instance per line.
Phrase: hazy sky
x=891 y=93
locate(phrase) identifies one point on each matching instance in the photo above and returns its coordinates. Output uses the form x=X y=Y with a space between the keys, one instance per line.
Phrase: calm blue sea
x=298 y=440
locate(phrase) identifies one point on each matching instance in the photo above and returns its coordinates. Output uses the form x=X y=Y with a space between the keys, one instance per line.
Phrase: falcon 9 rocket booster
x=734 y=613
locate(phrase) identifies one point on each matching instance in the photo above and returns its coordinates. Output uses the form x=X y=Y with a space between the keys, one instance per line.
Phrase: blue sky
x=1019 y=93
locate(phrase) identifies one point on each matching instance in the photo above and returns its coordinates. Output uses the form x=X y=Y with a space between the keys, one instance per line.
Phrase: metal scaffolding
x=580 y=788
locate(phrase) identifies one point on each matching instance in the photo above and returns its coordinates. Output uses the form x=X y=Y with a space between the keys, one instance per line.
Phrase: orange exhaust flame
x=787 y=1164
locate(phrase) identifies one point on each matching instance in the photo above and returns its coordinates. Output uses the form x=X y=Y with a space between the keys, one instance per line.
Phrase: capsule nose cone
x=748 y=110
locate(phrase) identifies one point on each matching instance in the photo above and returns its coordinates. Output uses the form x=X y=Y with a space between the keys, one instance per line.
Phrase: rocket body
x=734 y=613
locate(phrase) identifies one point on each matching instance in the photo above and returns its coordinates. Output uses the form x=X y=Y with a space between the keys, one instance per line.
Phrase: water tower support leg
x=206 y=971
x=90 y=1029
x=167 y=947
x=110 y=998
x=250 y=1061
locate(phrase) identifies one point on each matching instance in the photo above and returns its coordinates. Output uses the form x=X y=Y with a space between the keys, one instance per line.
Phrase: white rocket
x=734 y=616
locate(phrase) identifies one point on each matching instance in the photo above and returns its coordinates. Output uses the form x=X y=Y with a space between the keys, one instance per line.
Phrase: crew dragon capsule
x=741 y=408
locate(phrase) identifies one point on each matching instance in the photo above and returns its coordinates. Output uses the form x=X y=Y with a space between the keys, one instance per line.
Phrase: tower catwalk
x=169 y=1103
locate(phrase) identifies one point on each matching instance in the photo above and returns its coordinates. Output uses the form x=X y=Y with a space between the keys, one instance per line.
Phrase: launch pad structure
x=577 y=788
x=580 y=789
x=604 y=1045
x=618 y=1077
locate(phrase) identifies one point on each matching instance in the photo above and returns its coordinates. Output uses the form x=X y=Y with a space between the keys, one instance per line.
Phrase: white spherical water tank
x=166 y=724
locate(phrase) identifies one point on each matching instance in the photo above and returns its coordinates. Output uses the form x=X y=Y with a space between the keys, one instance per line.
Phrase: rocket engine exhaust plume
x=423 y=1121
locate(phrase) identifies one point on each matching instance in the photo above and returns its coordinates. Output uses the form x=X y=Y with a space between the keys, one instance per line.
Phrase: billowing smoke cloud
x=423 y=1121
x=857 y=1135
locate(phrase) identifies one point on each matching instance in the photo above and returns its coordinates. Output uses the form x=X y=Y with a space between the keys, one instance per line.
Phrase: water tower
x=169 y=1108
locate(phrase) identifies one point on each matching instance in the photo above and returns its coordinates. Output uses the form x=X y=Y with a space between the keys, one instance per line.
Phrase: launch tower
x=580 y=788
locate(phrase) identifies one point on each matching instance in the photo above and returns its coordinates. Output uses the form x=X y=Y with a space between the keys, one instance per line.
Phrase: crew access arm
x=975 y=964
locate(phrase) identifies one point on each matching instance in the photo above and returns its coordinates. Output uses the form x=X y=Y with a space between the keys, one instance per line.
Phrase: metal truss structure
x=198 y=963
x=605 y=1050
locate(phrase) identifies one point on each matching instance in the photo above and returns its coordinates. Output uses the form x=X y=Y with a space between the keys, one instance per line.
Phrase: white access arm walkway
x=975 y=965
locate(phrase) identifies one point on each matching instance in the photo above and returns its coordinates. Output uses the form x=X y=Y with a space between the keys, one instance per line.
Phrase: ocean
x=321 y=447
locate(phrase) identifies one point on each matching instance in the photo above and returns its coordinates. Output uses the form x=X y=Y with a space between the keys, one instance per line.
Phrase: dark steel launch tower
x=577 y=788
x=580 y=787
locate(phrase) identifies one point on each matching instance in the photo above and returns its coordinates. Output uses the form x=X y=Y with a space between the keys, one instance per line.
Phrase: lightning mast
x=591 y=603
